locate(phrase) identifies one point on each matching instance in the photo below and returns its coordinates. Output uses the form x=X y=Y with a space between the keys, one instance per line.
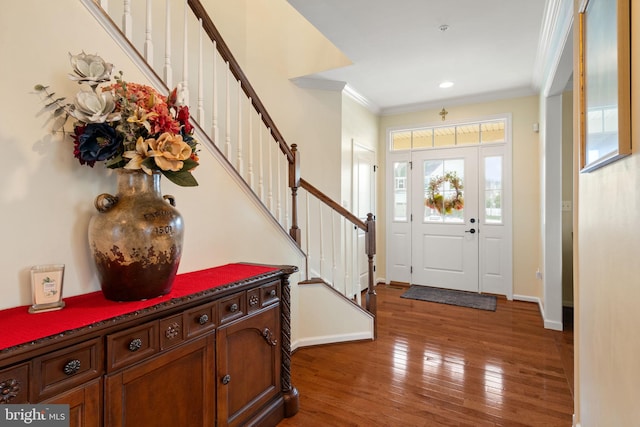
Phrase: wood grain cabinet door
x=84 y=404
x=174 y=388
x=248 y=366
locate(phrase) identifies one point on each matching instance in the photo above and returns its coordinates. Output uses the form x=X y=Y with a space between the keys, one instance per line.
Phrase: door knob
x=472 y=231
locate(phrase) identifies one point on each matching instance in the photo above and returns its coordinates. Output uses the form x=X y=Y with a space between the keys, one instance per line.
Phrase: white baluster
x=270 y=165
x=334 y=268
x=201 y=116
x=215 y=131
x=184 y=93
x=148 y=43
x=355 y=269
x=307 y=232
x=285 y=188
x=168 y=72
x=240 y=142
x=321 y=238
x=228 y=117
x=347 y=285
x=126 y=20
x=261 y=161
x=249 y=115
x=279 y=184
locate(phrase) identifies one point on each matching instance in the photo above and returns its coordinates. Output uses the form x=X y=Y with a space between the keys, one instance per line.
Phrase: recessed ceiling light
x=445 y=85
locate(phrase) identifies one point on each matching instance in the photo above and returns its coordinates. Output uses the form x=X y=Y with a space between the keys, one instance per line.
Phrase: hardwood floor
x=440 y=365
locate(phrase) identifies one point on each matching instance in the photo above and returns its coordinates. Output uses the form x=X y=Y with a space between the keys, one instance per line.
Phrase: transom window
x=492 y=131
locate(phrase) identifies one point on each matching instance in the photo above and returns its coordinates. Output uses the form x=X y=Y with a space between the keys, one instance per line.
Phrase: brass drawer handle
x=72 y=367
x=203 y=319
x=226 y=379
x=135 y=344
x=273 y=293
x=233 y=308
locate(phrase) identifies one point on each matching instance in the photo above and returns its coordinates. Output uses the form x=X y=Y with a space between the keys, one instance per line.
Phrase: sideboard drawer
x=232 y=307
x=131 y=345
x=200 y=319
x=269 y=293
x=171 y=332
x=64 y=369
x=14 y=384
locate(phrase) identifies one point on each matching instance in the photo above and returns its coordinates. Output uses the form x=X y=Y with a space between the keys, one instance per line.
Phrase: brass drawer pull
x=203 y=319
x=273 y=293
x=233 y=308
x=226 y=379
x=135 y=344
x=72 y=367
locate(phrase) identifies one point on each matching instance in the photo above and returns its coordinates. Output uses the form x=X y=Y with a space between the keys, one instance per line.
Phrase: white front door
x=445 y=218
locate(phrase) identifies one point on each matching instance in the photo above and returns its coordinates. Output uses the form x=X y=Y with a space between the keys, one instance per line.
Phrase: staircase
x=231 y=121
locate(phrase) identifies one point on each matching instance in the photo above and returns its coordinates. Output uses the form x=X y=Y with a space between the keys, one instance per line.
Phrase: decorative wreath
x=435 y=199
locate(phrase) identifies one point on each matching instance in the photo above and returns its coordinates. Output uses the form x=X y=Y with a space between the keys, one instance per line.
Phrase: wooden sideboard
x=210 y=353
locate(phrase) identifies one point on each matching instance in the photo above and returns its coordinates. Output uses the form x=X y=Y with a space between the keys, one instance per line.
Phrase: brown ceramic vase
x=136 y=238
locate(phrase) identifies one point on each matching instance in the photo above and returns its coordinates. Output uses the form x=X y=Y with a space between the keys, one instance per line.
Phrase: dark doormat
x=446 y=296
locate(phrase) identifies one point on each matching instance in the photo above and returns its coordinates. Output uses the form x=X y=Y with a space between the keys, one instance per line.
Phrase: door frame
x=403 y=269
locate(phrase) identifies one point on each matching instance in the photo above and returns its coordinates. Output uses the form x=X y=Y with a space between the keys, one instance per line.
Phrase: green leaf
x=115 y=162
x=183 y=178
x=189 y=165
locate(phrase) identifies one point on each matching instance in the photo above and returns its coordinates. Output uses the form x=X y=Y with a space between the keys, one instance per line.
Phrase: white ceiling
x=400 y=55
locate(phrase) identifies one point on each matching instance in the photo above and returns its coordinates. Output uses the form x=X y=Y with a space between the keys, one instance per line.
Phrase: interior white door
x=364 y=191
x=445 y=239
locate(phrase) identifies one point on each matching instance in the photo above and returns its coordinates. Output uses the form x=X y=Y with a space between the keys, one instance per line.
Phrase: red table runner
x=19 y=326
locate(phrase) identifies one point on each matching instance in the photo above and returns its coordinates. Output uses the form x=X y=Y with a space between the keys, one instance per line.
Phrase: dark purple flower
x=96 y=142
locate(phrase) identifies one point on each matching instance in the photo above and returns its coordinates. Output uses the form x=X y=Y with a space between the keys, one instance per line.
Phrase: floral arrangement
x=436 y=200
x=126 y=125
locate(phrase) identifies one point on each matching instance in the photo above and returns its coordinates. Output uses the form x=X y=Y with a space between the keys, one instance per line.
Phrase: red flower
x=183 y=118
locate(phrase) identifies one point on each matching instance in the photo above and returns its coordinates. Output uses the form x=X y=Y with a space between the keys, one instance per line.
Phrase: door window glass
x=401 y=140
x=444 y=191
x=400 y=191
x=493 y=190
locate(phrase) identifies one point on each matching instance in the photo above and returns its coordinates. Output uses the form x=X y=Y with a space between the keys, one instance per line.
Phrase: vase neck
x=138 y=182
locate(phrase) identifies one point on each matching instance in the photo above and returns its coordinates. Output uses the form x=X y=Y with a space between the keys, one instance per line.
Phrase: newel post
x=294 y=183
x=370 y=246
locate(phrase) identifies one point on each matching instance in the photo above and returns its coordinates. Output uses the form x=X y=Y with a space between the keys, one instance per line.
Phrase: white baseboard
x=548 y=324
x=330 y=339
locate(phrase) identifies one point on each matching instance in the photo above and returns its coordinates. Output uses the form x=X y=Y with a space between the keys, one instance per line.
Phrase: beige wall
x=526 y=181
x=608 y=282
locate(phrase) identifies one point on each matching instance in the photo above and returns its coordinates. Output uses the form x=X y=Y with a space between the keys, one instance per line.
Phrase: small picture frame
x=46 y=285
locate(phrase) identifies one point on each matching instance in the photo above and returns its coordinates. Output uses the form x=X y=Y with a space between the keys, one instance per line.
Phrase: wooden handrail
x=213 y=33
x=333 y=204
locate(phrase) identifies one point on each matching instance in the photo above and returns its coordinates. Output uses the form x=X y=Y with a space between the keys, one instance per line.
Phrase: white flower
x=93 y=107
x=90 y=69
